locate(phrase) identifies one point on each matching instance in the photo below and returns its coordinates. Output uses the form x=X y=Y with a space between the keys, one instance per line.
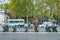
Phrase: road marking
x=7 y=33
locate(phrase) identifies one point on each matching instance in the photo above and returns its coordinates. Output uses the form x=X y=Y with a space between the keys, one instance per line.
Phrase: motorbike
x=51 y=29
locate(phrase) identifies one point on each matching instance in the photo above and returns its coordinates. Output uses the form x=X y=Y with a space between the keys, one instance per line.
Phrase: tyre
x=54 y=29
x=26 y=30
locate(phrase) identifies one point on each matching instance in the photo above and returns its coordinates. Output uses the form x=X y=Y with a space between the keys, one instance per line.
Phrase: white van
x=15 y=22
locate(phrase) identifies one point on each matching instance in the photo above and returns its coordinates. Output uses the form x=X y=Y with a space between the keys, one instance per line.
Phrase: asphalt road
x=29 y=36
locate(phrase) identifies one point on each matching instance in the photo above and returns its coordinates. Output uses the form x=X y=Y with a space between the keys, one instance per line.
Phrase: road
x=29 y=36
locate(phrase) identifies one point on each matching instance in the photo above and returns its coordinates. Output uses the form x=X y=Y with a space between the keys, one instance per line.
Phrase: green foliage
x=1 y=5
x=21 y=7
x=6 y=6
x=27 y=7
x=46 y=13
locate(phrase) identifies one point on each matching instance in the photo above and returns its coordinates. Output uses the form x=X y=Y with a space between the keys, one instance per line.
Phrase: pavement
x=29 y=36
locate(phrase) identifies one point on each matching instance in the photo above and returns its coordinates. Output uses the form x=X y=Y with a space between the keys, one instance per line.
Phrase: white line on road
x=29 y=33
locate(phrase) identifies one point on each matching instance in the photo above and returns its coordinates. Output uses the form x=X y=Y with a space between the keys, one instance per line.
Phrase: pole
x=27 y=19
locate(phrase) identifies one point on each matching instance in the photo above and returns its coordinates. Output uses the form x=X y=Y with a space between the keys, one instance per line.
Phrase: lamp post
x=49 y=9
x=33 y=7
x=51 y=15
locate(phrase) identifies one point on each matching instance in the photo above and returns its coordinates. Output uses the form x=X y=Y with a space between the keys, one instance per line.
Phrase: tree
x=6 y=6
x=1 y=6
x=21 y=7
x=35 y=7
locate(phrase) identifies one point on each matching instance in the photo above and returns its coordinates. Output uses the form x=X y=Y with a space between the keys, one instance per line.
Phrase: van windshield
x=15 y=21
x=47 y=23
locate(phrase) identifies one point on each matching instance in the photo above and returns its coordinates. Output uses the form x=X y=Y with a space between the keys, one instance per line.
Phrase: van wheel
x=26 y=30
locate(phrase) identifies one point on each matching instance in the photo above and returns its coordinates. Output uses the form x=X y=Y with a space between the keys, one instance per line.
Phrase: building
x=4 y=1
x=3 y=16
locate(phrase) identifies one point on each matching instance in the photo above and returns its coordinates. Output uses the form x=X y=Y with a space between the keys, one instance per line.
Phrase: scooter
x=51 y=29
